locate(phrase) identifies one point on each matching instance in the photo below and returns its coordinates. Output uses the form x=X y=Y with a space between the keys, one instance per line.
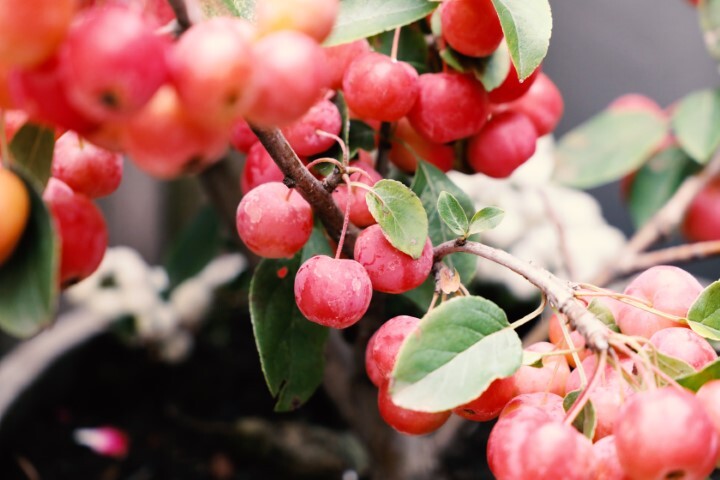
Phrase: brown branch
x=680 y=253
x=560 y=293
x=662 y=223
x=181 y=14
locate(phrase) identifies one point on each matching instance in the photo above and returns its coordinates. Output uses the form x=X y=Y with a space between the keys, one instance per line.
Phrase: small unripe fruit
x=512 y=88
x=333 y=292
x=450 y=106
x=471 y=27
x=273 y=221
x=507 y=141
x=314 y=18
x=302 y=135
x=15 y=208
x=391 y=270
x=81 y=228
x=85 y=168
x=488 y=405
x=409 y=422
x=380 y=88
x=384 y=345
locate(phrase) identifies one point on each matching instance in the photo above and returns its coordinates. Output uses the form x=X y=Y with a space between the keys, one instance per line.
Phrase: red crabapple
x=505 y=142
x=666 y=288
x=85 y=168
x=492 y=401
x=6 y=100
x=551 y=377
x=450 y=106
x=384 y=345
x=259 y=168
x=302 y=135
x=550 y=403
x=15 y=205
x=471 y=27
x=274 y=221
x=380 y=88
x=112 y=62
x=637 y=101
x=558 y=339
x=557 y=451
x=408 y=147
x=359 y=212
x=314 y=18
x=409 y=422
x=333 y=292
x=391 y=270
x=702 y=221
x=14 y=121
x=608 y=463
x=684 y=344
x=665 y=433
x=81 y=228
x=339 y=58
x=31 y=30
x=709 y=396
x=186 y=146
x=242 y=137
x=542 y=104
x=210 y=66
x=512 y=88
x=288 y=78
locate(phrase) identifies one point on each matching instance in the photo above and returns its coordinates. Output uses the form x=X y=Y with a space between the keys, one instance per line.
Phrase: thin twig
x=677 y=254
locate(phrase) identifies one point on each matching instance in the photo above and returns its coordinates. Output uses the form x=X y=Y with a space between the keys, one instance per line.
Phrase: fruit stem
x=395 y=44
x=346 y=219
x=343 y=147
x=575 y=356
x=325 y=160
x=585 y=395
x=530 y=316
x=4 y=149
x=642 y=361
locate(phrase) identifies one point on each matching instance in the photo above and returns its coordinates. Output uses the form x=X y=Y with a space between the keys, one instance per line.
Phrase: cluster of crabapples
x=645 y=428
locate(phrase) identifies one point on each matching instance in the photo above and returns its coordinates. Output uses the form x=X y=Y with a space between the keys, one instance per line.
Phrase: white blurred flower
x=191 y=300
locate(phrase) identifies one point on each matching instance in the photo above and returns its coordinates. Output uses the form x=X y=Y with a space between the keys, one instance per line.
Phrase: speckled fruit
x=383 y=347
x=15 y=205
x=409 y=422
x=242 y=137
x=391 y=270
x=85 y=168
x=359 y=212
x=332 y=292
x=259 y=168
x=302 y=135
x=488 y=405
x=507 y=141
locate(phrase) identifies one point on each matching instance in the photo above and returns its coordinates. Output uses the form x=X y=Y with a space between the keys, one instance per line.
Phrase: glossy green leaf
x=527 y=25
x=656 y=181
x=458 y=349
x=453 y=59
x=607 y=147
x=32 y=147
x=195 y=247
x=586 y=421
x=704 y=314
x=696 y=122
x=452 y=213
x=29 y=278
x=400 y=214
x=696 y=380
x=412 y=48
x=365 y=18
x=428 y=183
x=495 y=68
x=709 y=13
x=486 y=219
x=604 y=314
x=290 y=346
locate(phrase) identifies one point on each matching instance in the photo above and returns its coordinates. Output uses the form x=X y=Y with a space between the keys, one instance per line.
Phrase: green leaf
x=486 y=219
x=696 y=122
x=453 y=59
x=604 y=314
x=586 y=421
x=231 y=8
x=452 y=213
x=607 y=147
x=704 y=314
x=673 y=366
x=428 y=183
x=709 y=12
x=32 y=147
x=493 y=71
x=527 y=25
x=360 y=136
x=532 y=359
x=694 y=381
x=365 y=18
x=458 y=349
x=29 y=278
x=195 y=247
x=412 y=48
x=400 y=214
x=291 y=347
x=656 y=181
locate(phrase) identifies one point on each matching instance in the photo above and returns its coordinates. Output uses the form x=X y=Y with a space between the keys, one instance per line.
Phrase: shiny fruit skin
x=359 y=212
x=408 y=147
x=339 y=58
x=702 y=218
x=492 y=401
x=512 y=88
x=384 y=345
x=505 y=142
x=15 y=205
x=409 y=422
x=332 y=292
x=273 y=221
x=85 y=168
x=684 y=344
x=471 y=27
x=259 y=168
x=543 y=104
x=557 y=451
x=302 y=135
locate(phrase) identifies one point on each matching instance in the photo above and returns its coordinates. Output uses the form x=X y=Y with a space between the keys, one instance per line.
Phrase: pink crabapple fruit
x=409 y=422
x=665 y=433
x=384 y=345
x=550 y=403
x=81 y=228
x=684 y=344
x=667 y=289
x=709 y=396
x=380 y=88
x=551 y=377
x=302 y=135
x=390 y=270
x=85 y=168
x=242 y=137
x=702 y=221
x=471 y=27
x=333 y=292
x=359 y=212
x=492 y=401
x=112 y=62
x=543 y=104
x=512 y=88
x=274 y=221
x=314 y=18
x=637 y=102
x=339 y=58
x=558 y=339
x=408 y=147
x=506 y=141
x=608 y=463
x=450 y=106
x=259 y=168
